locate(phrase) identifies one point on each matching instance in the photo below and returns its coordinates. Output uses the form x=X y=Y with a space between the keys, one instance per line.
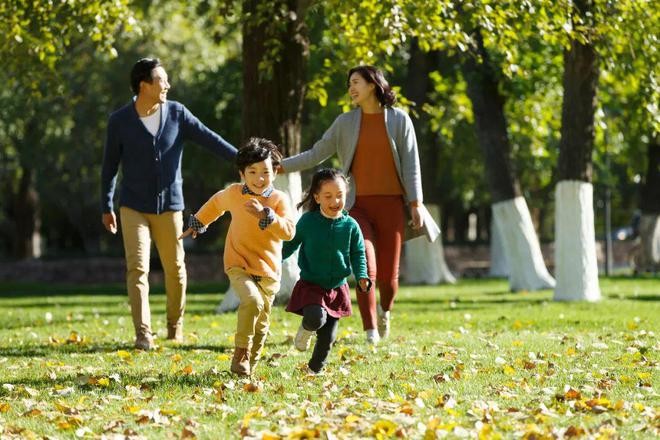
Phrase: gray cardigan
x=342 y=137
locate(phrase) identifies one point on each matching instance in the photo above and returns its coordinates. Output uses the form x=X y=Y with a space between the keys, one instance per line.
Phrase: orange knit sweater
x=257 y=251
x=373 y=166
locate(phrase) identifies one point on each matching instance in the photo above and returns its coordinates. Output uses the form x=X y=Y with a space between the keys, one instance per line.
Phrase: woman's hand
x=187 y=232
x=416 y=221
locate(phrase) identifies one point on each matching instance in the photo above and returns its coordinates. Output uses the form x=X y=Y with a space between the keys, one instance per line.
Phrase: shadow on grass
x=46 y=350
x=22 y=290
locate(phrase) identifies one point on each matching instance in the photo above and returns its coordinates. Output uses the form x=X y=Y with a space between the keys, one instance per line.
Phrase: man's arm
x=199 y=133
x=111 y=158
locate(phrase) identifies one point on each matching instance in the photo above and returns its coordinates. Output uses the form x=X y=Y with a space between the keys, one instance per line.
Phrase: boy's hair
x=141 y=71
x=257 y=150
x=322 y=175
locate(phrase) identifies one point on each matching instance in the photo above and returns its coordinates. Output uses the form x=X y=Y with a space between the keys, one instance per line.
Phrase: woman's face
x=331 y=197
x=359 y=89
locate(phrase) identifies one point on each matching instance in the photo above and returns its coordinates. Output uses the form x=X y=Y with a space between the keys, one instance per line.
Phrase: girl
x=332 y=244
x=377 y=149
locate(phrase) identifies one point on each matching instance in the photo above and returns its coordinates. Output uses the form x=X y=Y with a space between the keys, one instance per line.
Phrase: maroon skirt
x=337 y=302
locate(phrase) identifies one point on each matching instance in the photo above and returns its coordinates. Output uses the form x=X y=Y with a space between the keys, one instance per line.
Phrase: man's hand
x=187 y=232
x=416 y=221
x=255 y=208
x=109 y=220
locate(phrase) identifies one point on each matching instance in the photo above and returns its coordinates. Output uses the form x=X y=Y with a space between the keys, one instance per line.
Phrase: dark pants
x=315 y=318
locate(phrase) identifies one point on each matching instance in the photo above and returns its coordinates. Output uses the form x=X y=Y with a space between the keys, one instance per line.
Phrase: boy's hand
x=364 y=284
x=255 y=208
x=187 y=232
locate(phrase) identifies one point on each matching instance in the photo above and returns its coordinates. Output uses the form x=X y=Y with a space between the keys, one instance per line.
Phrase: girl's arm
x=358 y=255
x=291 y=246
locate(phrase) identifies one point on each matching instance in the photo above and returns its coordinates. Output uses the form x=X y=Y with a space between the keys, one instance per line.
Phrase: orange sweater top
x=257 y=251
x=373 y=165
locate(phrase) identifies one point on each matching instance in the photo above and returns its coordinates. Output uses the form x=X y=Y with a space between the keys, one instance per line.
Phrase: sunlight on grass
x=466 y=360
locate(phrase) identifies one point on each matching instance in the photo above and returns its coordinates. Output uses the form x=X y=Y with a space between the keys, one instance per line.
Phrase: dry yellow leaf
x=384 y=427
x=4 y=407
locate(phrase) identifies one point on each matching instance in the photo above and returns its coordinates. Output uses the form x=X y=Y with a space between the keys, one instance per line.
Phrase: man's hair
x=257 y=150
x=141 y=71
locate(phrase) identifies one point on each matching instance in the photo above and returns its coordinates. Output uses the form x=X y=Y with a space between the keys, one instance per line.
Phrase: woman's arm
x=320 y=151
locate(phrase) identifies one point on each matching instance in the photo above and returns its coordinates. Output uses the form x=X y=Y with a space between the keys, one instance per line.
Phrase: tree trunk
x=648 y=256
x=275 y=54
x=274 y=86
x=424 y=262
x=575 y=247
x=527 y=270
x=27 y=221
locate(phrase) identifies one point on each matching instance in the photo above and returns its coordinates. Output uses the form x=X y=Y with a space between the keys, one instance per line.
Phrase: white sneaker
x=372 y=336
x=383 y=322
x=303 y=338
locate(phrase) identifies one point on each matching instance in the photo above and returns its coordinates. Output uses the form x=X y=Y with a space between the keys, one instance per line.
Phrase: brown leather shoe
x=144 y=341
x=240 y=363
x=175 y=332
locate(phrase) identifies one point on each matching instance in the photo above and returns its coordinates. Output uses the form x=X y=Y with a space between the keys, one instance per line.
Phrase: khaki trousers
x=138 y=229
x=256 y=296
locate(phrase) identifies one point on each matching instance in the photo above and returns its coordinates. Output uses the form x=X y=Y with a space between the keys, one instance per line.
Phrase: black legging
x=315 y=318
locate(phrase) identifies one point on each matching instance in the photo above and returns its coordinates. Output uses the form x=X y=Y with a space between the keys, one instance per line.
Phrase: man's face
x=259 y=176
x=156 y=91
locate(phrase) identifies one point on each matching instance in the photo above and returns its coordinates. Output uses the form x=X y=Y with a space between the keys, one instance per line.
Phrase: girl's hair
x=374 y=75
x=322 y=175
x=257 y=150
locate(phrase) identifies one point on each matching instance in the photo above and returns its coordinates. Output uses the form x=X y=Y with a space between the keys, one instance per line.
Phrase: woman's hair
x=141 y=71
x=322 y=175
x=257 y=150
x=374 y=75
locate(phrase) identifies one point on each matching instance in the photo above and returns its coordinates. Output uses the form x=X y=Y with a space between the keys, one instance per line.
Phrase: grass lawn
x=470 y=360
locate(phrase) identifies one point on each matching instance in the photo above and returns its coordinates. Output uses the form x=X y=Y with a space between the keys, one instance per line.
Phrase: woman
x=377 y=148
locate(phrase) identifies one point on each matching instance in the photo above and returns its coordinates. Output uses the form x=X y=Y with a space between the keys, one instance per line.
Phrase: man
x=146 y=137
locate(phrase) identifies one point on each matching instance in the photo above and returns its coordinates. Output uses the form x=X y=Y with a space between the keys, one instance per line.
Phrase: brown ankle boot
x=240 y=363
x=258 y=342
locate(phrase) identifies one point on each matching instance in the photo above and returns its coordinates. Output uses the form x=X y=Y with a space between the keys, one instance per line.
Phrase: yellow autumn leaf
x=123 y=354
x=132 y=409
x=517 y=325
x=103 y=382
x=351 y=418
x=508 y=370
x=383 y=427
x=571 y=351
x=517 y=343
x=176 y=358
x=487 y=433
x=4 y=407
x=644 y=375
x=64 y=425
x=187 y=370
x=223 y=357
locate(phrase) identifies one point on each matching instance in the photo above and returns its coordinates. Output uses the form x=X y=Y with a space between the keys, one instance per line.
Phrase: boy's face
x=259 y=176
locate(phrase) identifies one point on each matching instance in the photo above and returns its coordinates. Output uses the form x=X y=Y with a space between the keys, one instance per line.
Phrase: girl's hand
x=187 y=232
x=364 y=284
x=416 y=221
x=255 y=208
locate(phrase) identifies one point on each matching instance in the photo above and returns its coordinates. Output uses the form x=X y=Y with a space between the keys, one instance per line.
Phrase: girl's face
x=331 y=197
x=359 y=89
x=259 y=176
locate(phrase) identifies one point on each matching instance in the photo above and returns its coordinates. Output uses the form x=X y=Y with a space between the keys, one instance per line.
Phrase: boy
x=261 y=219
